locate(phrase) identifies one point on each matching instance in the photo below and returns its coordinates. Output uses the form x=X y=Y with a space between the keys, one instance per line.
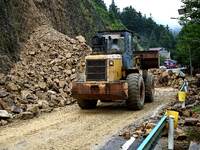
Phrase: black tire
x=136 y=92
x=87 y=104
x=149 y=88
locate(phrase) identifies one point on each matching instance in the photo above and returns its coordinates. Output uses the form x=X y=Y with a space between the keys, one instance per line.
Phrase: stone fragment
x=16 y=109
x=26 y=115
x=3 y=93
x=81 y=39
x=55 y=68
x=62 y=84
x=126 y=135
x=32 y=53
x=25 y=93
x=3 y=122
x=186 y=113
x=73 y=70
x=3 y=105
x=68 y=55
x=34 y=109
x=4 y=114
x=191 y=121
x=43 y=104
x=68 y=72
x=12 y=87
x=73 y=76
x=180 y=134
x=194 y=146
x=42 y=85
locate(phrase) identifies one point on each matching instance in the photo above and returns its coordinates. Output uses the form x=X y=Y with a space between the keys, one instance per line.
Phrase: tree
x=152 y=34
x=189 y=44
x=191 y=11
x=101 y=3
x=114 y=10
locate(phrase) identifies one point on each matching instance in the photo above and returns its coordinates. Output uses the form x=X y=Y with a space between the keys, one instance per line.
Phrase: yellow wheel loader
x=114 y=71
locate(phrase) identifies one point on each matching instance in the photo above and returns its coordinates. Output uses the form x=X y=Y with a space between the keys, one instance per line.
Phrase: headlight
x=111 y=63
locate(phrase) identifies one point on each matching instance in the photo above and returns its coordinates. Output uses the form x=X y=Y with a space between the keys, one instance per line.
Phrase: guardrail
x=154 y=135
x=170 y=119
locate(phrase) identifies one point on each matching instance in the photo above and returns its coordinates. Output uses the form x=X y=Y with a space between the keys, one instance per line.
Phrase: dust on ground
x=72 y=128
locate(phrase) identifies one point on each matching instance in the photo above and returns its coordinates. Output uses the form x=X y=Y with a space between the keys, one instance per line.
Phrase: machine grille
x=96 y=70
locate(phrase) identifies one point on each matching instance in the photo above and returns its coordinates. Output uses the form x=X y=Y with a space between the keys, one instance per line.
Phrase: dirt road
x=71 y=128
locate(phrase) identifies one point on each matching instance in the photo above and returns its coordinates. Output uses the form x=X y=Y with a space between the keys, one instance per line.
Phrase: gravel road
x=71 y=128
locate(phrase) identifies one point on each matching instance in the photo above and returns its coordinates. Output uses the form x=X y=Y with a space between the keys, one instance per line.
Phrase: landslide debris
x=168 y=77
x=188 y=131
x=42 y=79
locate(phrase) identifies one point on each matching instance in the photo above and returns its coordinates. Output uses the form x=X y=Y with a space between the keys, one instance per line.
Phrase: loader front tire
x=136 y=91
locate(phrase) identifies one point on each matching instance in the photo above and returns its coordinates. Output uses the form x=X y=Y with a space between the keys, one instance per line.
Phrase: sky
x=161 y=10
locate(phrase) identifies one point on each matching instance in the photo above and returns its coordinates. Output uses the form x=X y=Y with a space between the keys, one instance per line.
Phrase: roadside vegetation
x=188 y=40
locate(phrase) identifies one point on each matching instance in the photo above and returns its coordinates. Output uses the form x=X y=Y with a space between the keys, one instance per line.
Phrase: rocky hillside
x=41 y=79
x=19 y=18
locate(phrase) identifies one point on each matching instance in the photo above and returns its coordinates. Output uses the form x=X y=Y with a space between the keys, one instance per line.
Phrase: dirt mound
x=41 y=80
x=167 y=78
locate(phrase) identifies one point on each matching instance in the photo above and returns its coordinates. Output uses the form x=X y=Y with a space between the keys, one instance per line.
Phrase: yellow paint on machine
x=115 y=71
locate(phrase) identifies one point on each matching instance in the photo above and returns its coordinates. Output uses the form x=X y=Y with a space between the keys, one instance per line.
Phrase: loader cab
x=115 y=42
x=112 y=42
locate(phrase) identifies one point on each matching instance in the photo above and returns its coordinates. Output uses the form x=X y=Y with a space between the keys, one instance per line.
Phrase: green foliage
x=152 y=34
x=109 y=20
x=189 y=40
x=114 y=10
x=193 y=133
x=192 y=10
x=196 y=109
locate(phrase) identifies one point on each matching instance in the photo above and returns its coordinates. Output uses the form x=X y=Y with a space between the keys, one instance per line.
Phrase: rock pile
x=188 y=130
x=167 y=78
x=41 y=80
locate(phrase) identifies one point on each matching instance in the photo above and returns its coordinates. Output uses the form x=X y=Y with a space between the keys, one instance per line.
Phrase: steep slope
x=19 y=18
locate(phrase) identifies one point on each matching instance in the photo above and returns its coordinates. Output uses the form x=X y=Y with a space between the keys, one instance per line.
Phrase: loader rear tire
x=87 y=104
x=149 y=88
x=136 y=91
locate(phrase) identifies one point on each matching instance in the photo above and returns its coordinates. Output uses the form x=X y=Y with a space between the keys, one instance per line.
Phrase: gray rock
x=81 y=39
x=68 y=55
x=43 y=104
x=42 y=85
x=62 y=83
x=194 y=146
x=4 y=114
x=3 y=122
x=191 y=121
x=55 y=68
x=26 y=115
x=180 y=134
x=68 y=72
x=73 y=76
x=33 y=109
x=3 y=93
x=73 y=70
x=25 y=93
x=12 y=87
x=16 y=109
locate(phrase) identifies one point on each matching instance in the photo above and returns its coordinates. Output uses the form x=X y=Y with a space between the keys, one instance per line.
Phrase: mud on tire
x=136 y=91
x=87 y=104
